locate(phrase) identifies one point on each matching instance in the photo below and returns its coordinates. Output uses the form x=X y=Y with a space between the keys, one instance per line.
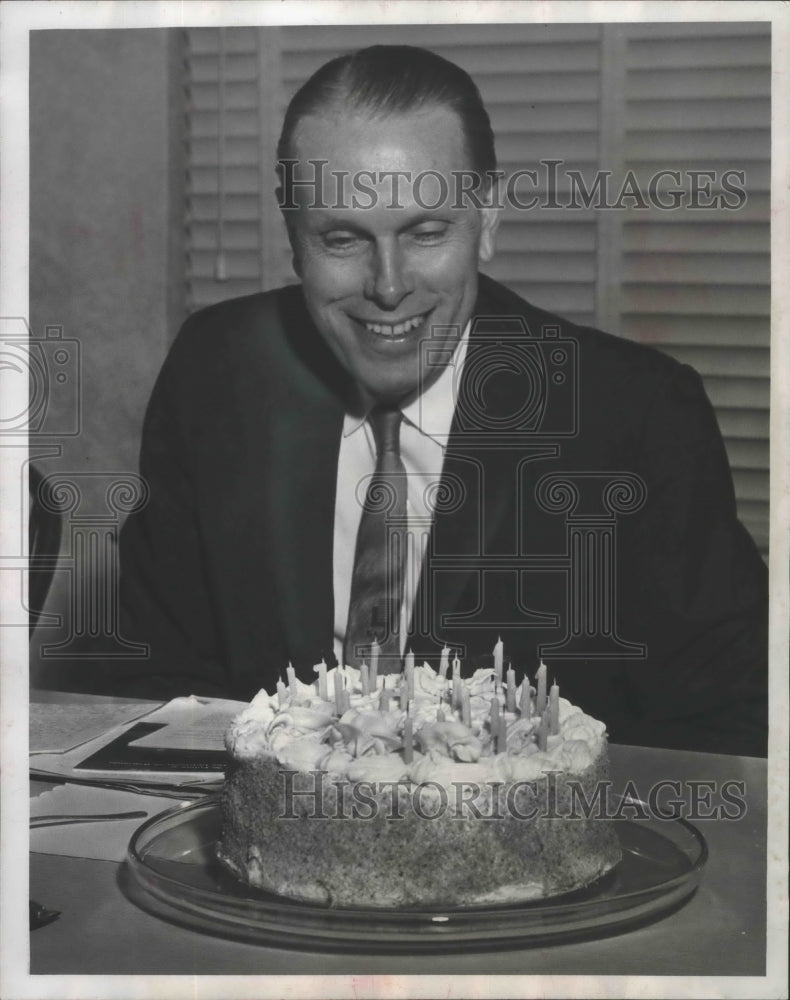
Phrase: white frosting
x=306 y=733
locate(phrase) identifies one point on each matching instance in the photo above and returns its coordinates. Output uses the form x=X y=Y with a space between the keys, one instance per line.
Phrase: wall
x=105 y=265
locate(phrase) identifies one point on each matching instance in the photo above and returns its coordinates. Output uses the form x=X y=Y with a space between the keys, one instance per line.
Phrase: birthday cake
x=417 y=788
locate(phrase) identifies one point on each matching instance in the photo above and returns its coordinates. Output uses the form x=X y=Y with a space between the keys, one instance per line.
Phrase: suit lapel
x=305 y=432
x=486 y=475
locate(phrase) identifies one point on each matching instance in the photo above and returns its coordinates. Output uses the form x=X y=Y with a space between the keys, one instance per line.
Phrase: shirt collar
x=431 y=412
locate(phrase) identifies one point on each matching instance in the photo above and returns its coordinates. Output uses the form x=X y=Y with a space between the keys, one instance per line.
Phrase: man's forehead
x=423 y=139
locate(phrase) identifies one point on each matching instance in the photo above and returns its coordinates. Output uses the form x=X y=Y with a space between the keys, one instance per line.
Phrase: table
x=719 y=931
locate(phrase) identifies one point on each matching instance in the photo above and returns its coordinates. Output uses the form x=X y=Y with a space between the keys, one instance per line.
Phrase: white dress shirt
x=423 y=439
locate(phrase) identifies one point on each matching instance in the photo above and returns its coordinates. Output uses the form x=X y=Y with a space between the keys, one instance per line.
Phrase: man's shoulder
x=235 y=319
x=253 y=344
x=496 y=299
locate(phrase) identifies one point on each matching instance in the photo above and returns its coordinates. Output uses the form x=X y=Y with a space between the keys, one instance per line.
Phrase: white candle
x=444 y=662
x=499 y=654
x=282 y=692
x=320 y=669
x=456 y=690
x=526 y=698
x=543 y=731
x=375 y=650
x=501 y=743
x=540 y=677
x=494 y=714
x=466 y=707
x=339 y=692
x=456 y=666
x=364 y=679
x=291 y=679
x=409 y=672
x=408 y=741
x=511 y=690
x=554 y=709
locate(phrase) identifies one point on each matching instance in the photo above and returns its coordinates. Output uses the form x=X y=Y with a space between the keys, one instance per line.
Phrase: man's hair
x=393 y=79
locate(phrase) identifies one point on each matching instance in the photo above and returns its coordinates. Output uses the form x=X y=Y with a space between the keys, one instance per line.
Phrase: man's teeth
x=395 y=331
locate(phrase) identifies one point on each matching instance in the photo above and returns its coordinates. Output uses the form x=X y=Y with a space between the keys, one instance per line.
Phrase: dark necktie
x=380 y=555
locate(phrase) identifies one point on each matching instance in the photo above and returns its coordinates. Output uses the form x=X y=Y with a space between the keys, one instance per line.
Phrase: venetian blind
x=695 y=282
x=692 y=282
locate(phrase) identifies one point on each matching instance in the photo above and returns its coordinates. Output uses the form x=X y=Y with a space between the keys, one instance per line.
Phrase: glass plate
x=176 y=875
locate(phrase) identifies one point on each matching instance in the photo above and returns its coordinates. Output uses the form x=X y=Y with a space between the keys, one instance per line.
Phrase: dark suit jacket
x=227 y=572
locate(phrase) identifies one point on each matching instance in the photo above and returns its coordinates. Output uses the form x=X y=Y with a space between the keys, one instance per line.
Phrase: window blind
x=692 y=282
x=695 y=282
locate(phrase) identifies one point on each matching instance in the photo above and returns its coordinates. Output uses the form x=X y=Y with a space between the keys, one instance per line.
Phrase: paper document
x=192 y=753
x=204 y=731
x=55 y=728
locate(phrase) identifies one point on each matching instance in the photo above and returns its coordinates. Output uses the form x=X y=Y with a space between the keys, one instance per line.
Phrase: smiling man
x=379 y=278
x=401 y=451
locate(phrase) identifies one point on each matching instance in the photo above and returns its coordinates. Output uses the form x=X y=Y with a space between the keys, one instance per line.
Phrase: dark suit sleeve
x=693 y=587
x=166 y=596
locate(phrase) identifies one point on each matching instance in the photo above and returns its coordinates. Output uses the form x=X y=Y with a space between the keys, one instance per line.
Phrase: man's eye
x=341 y=241
x=429 y=234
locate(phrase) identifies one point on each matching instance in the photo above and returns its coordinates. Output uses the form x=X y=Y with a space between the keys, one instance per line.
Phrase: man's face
x=377 y=279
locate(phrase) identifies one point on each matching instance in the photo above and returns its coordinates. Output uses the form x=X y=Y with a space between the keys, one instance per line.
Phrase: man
x=551 y=485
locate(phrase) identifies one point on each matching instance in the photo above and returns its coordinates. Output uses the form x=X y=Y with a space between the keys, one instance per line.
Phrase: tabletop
x=720 y=930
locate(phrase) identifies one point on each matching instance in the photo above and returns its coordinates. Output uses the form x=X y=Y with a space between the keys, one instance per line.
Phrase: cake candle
x=408 y=741
x=494 y=716
x=320 y=668
x=543 y=732
x=554 y=709
x=364 y=678
x=384 y=700
x=404 y=694
x=339 y=692
x=499 y=653
x=291 y=680
x=456 y=691
x=466 y=707
x=409 y=672
x=540 y=677
x=526 y=699
x=456 y=667
x=444 y=662
x=502 y=736
x=282 y=692
x=375 y=651
x=511 y=690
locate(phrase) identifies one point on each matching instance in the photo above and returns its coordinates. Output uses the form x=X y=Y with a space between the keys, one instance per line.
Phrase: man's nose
x=388 y=282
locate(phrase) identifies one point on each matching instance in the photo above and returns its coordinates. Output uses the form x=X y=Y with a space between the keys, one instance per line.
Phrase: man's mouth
x=395 y=329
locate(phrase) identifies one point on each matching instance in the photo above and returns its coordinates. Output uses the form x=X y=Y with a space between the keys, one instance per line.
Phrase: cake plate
x=176 y=875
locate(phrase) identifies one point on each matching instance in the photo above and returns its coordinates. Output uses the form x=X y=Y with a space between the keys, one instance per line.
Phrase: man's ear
x=490 y=216
x=288 y=220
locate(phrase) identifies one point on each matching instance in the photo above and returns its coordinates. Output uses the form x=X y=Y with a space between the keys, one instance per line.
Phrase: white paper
x=56 y=728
